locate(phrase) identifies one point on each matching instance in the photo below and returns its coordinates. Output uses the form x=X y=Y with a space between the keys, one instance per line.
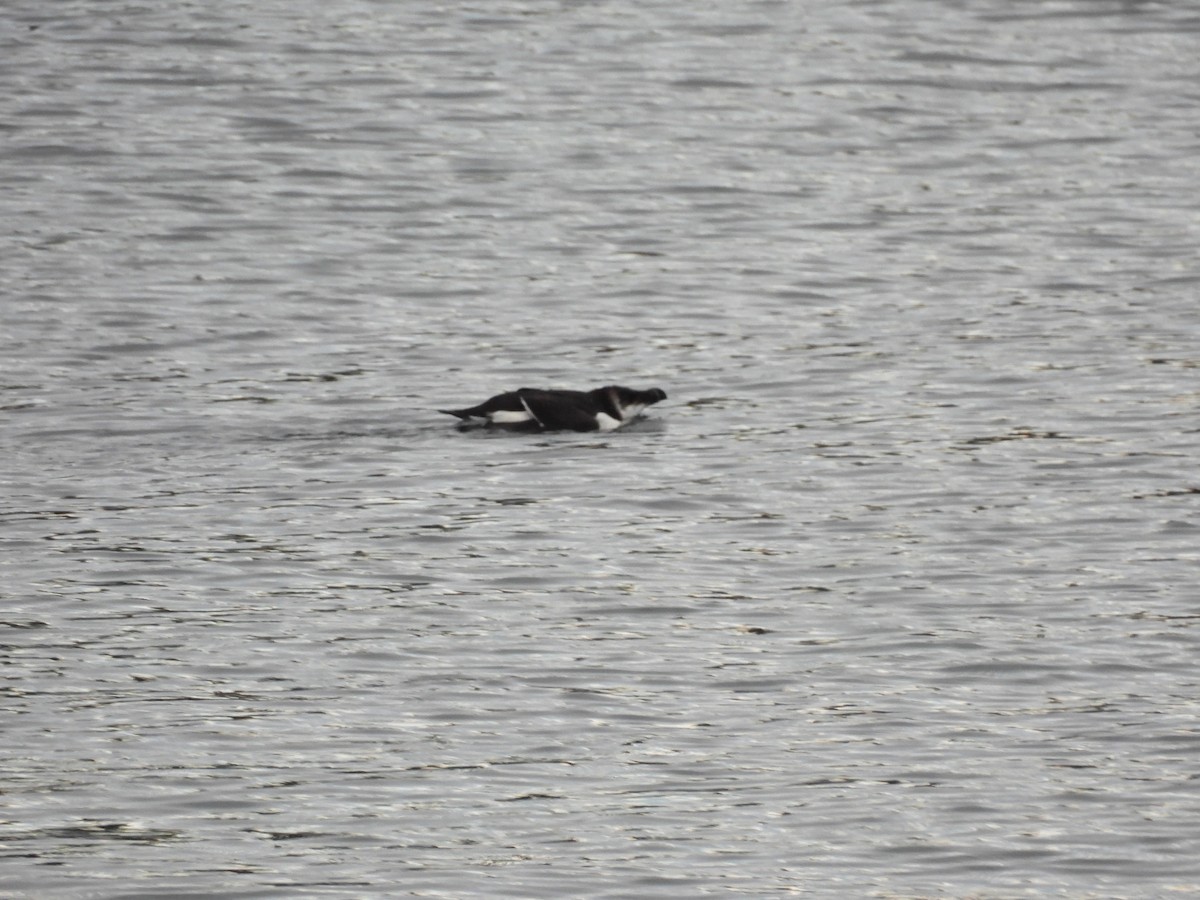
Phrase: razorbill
x=534 y=409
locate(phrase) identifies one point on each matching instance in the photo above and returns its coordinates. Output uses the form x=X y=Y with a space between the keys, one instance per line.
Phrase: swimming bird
x=535 y=409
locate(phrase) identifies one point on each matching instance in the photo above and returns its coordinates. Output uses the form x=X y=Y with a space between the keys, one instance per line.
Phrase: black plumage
x=536 y=409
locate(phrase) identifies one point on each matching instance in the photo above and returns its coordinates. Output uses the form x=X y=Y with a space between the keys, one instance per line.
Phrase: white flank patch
x=607 y=422
x=510 y=416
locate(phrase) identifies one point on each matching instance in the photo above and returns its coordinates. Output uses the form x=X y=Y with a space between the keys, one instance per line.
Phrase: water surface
x=894 y=596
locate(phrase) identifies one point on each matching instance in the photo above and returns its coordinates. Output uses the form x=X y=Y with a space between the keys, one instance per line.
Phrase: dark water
x=894 y=597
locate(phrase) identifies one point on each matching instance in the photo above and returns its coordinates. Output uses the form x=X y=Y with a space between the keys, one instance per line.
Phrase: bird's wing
x=554 y=410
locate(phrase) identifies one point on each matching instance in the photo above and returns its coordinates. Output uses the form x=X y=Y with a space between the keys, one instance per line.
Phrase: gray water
x=894 y=597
